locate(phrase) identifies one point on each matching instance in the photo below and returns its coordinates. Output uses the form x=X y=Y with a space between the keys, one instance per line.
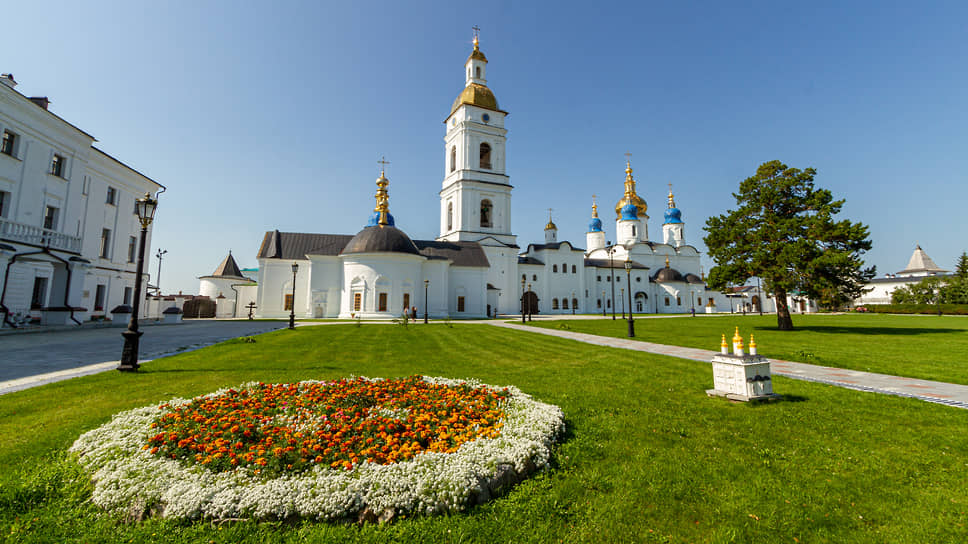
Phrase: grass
x=648 y=456
x=926 y=347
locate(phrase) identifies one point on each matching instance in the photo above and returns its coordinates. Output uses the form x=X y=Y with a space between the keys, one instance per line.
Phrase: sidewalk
x=938 y=392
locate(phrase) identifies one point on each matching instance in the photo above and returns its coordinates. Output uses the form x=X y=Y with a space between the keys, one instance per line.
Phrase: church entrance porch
x=529 y=303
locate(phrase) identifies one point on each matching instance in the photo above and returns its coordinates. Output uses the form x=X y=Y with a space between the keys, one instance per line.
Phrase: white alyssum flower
x=129 y=479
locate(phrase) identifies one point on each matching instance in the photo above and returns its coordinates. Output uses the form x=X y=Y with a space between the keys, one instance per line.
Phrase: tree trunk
x=783 y=320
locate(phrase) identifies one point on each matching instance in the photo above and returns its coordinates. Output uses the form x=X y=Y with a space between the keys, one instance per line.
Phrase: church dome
x=478 y=95
x=630 y=196
x=673 y=215
x=551 y=225
x=595 y=225
x=668 y=275
x=375 y=219
x=692 y=278
x=381 y=239
x=630 y=212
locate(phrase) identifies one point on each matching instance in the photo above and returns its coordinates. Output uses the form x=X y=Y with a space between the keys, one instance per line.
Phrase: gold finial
x=477 y=33
x=736 y=336
x=667 y=262
x=752 y=342
x=594 y=206
x=628 y=165
x=382 y=195
x=551 y=224
x=672 y=203
x=724 y=344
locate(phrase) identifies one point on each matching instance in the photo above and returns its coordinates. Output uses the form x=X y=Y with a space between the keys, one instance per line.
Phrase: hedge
x=949 y=309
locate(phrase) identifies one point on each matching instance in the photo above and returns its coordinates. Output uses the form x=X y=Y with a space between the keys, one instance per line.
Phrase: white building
x=920 y=266
x=475 y=267
x=68 y=229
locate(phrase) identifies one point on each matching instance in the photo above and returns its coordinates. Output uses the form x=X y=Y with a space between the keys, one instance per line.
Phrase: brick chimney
x=41 y=101
x=7 y=79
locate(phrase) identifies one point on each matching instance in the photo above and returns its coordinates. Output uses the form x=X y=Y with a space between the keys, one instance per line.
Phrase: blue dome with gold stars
x=630 y=212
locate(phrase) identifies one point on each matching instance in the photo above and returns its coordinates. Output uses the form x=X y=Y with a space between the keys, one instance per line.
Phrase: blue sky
x=273 y=114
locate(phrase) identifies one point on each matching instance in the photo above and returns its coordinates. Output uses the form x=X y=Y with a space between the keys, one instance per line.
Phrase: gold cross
x=384 y=162
x=477 y=31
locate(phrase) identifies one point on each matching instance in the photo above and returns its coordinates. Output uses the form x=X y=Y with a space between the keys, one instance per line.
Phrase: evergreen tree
x=784 y=232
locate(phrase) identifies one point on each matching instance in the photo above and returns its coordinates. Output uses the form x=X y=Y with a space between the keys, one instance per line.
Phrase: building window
x=574 y=269
x=357 y=301
x=453 y=158
x=667 y=301
x=50 y=217
x=485 y=156
x=599 y=278
x=564 y=304
x=4 y=203
x=633 y=231
x=599 y=303
x=554 y=304
x=534 y=277
x=638 y=305
x=8 y=143
x=450 y=215
x=638 y=278
x=678 y=300
x=486 y=213
x=382 y=299
x=287 y=302
x=477 y=71
x=132 y=248
x=112 y=196
x=460 y=304
x=39 y=295
x=554 y=268
x=57 y=166
x=608 y=303
x=524 y=277
x=127 y=296
x=608 y=279
x=406 y=301
x=574 y=303
x=105 y=243
x=99 y=294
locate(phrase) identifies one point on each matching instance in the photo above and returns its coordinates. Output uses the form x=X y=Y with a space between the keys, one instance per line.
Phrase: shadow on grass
x=886 y=331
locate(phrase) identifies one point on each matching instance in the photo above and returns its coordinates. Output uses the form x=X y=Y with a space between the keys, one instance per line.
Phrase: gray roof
x=616 y=263
x=921 y=264
x=228 y=268
x=555 y=245
x=529 y=260
x=296 y=245
x=380 y=239
x=667 y=274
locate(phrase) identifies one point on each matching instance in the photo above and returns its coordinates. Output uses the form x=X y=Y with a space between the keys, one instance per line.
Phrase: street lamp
x=522 y=299
x=573 y=303
x=129 y=353
x=161 y=253
x=759 y=296
x=621 y=297
x=603 y=303
x=426 y=286
x=611 y=271
x=530 y=306
x=628 y=277
x=292 y=306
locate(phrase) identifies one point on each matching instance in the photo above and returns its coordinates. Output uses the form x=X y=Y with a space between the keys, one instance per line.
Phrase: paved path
x=36 y=358
x=938 y=392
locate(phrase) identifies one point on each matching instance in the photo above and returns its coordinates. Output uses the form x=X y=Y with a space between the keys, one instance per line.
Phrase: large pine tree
x=784 y=232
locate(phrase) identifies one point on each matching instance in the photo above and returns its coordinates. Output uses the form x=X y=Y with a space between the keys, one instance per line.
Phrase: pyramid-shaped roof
x=228 y=268
x=921 y=265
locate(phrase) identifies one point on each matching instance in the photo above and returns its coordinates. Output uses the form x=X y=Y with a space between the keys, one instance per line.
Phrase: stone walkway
x=938 y=392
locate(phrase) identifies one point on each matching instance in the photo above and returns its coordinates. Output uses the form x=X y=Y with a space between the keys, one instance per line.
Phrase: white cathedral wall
x=470 y=283
x=326 y=281
x=275 y=282
x=437 y=271
x=371 y=274
x=503 y=273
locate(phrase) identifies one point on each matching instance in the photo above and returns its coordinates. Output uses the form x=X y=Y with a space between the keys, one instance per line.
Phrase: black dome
x=668 y=274
x=692 y=278
x=381 y=239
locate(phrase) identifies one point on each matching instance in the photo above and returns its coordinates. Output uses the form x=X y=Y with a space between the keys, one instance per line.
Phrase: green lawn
x=648 y=456
x=927 y=347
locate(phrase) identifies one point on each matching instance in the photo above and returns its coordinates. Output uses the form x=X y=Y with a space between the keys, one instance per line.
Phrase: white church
x=475 y=267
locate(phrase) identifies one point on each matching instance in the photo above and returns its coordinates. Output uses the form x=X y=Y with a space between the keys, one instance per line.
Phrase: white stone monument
x=740 y=376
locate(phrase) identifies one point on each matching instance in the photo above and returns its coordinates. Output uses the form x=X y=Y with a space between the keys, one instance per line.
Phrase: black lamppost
x=628 y=277
x=574 y=302
x=426 y=286
x=292 y=306
x=611 y=272
x=161 y=253
x=530 y=306
x=603 y=303
x=523 y=296
x=621 y=297
x=129 y=353
x=759 y=296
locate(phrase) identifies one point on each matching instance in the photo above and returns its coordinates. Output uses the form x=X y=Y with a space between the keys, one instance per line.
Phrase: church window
x=638 y=305
x=666 y=301
x=357 y=301
x=450 y=215
x=608 y=303
x=574 y=269
x=599 y=303
x=453 y=158
x=554 y=304
x=564 y=304
x=678 y=300
x=524 y=277
x=7 y=144
x=460 y=304
x=564 y=268
x=534 y=277
x=287 y=304
x=383 y=302
x=486 y=156
x=638 y=278
x=477 y=72
x=486 y=213
x=406 y=301
x=608 y=279
x=554 y=268
x=574 y=303
x=633 y=230
x=599 y=278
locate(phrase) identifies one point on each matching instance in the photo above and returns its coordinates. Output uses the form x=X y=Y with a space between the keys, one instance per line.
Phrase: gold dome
x=551 y=226
x=476 y=54
x=478 y=95
x=630 y=196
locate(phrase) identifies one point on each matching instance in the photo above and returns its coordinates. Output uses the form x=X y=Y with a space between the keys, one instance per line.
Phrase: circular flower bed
x=363 y=448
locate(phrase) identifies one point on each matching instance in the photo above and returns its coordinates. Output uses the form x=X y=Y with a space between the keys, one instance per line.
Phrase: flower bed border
x=132 y=482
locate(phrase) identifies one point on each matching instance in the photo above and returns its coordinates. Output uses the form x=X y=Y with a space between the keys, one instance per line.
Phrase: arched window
x=450 y=215
x=678 y=300
x=554 y=304
x=574 y=269
x=564 y=304
x=486 y=213
x=534 y=277
x=486 y=156
x=554 y=268
x=574 y=303
x=453 y=158
x=667 y=301
x=477 y=72
x=524 y=277
x=599 y=303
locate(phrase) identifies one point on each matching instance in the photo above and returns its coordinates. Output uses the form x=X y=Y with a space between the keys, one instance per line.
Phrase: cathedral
x=475 y=267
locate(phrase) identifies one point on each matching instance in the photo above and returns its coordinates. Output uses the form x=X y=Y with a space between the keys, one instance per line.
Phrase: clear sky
x=272 y=115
